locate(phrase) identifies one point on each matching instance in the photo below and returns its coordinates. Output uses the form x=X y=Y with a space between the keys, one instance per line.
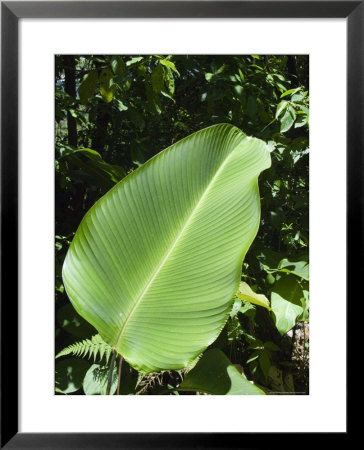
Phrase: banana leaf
x=155 y=263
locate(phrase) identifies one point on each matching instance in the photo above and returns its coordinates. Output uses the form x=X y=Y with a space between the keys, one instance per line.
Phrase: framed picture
x=41 y=41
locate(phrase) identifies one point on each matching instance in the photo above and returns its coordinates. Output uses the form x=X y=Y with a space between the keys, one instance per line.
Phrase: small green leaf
x=127 y=84
x=235 y=309
x=92 y=163
x=289 y=92
x=297 y=98
x=168 y=96
x=248 y=309
x=280 y=108
x=215 y=374
x=121 y=106
x=219 y=70
x=247 y=294
x=288 y=119
x=286 y=302
x=169 y=64
x=153 y=100
x=296 y=266
x=88 y=87
x=301 y=121
x=95 y=381
x=239 y=90
x=169 y=80
x=255 y=355
x=141 y=70
x=157 y=79
x=134 y=60
x=107 y=90
x=118 y=65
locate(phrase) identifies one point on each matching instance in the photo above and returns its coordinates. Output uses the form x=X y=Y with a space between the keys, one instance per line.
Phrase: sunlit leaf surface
x=155 y=263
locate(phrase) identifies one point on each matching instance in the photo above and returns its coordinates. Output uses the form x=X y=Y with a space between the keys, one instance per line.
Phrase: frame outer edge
x=355 y=129
x=183 y=9
x=9 y=224
x=355 y=163
x=10 y=12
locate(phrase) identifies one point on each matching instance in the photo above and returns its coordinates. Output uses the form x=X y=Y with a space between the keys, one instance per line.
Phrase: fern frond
x=88 y=348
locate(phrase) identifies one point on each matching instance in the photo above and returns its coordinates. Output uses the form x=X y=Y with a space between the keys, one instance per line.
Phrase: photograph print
x=182 y=224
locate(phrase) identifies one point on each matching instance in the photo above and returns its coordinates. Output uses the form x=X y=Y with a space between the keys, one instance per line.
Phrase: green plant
x=94 y=347
x=155 y=263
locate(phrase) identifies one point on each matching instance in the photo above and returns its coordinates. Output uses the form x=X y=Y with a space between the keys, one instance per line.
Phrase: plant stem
x=111 y=367
x=119 y=375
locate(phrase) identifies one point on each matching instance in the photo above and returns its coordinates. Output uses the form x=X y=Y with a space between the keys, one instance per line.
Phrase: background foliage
x=115 y=112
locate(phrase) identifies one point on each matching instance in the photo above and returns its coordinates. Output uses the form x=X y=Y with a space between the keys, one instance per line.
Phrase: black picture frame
x=11 y=12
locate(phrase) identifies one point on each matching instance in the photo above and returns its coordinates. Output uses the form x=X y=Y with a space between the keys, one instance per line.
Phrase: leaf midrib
x=173 y=246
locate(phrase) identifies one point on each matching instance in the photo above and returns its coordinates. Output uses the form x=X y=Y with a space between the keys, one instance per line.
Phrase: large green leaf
x=215 y=374
x=156 y=262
